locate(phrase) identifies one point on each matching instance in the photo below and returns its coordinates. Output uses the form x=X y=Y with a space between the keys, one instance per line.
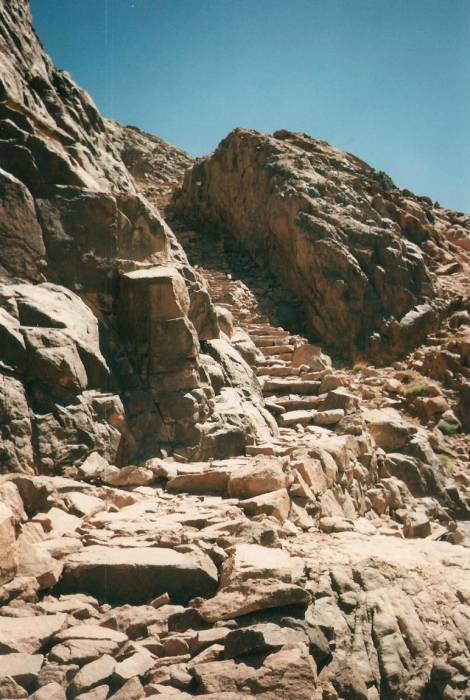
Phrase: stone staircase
x=291 y=388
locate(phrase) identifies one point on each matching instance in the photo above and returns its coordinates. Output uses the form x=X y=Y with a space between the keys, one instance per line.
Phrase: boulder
x=251 y=561
x=262 y=475
x=51 y=691
x=26 y=635
x=136 y=574
x=8 y=559
x=275 y=503
x=10 y=689
x=134 y=666
x=92 y=674
x=22 y=668
x=249 y=596
x=287 y=673
x=35 y=561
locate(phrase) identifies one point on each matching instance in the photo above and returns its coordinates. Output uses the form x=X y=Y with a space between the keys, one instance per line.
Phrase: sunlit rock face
x=334 y=231
x=195 y=501
x=75 y=229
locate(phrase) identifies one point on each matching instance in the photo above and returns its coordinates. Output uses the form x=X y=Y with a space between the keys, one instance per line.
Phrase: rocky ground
x=196 y=499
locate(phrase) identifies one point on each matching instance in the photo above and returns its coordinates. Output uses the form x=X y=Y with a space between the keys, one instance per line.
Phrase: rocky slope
x=93 y=280
x=194 y=500
x=336 y=233
x=155 y=166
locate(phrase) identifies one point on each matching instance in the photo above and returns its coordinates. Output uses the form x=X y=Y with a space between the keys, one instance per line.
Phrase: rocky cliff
x=339 y=235
x=102 y=318
x=195 y=501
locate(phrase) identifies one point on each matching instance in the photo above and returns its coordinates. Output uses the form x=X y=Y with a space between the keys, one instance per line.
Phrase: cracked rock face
x=75 y=230
x=351 y=238
x=194 y=502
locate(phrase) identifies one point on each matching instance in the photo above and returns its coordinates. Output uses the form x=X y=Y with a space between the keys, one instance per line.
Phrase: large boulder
x=137 y=574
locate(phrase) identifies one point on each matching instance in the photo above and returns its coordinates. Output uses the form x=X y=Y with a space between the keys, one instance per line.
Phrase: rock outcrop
x=336 y=233
x=195 y=501
x=83 y=357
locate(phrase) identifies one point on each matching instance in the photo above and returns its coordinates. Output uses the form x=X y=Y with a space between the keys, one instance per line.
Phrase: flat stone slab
x=26 y=635
x=137 y=574
x=249 y=596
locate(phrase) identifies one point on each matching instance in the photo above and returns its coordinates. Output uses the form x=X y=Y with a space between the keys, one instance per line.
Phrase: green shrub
x=447 y=428
x=446 y=462
x=417 y=389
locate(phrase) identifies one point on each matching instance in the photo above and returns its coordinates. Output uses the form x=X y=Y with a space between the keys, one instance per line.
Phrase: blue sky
x=388 y=80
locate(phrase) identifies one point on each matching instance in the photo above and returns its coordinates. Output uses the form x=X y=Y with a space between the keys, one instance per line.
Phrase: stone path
x=325 y=564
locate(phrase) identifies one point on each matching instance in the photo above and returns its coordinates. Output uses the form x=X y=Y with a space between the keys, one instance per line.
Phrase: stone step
x=278 y=350
x=266 y=341
x=297 y=403
x=276 y=361
x=278 y=371
x=289 y=387
x=270 y=331
x=295 y=418
x=274 y=408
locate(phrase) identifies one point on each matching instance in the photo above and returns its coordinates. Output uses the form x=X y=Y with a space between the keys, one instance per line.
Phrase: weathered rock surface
x=80 y=249
x=194 y=501
x=351 y=240
x=137 y=574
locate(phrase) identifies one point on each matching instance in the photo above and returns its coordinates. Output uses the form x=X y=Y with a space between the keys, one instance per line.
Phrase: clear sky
x=388 y=80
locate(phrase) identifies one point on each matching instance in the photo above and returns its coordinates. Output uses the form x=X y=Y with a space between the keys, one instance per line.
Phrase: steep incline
x=356 y=250
x=101 y=317
x=195 y=501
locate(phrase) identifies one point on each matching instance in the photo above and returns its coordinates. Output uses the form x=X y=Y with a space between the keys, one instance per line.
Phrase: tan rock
x=26 y=635
x=311 y=470
x=101 y=692
x=82 y=651
x=131 y=690
x=340 y=399
x=23 y=668
x=331 y=417
x=129 y=476
x=92 y=674
x=137 y=574
x=34 y=560
x=246 y=597
x=51 y=691
x=10 y=497
x=288 y=673
x=135 y=665
x=166 y=293
x=90 y=631
x=265 y=637
x=8 y=556
x=212 y=481
x=251 y=561
x=311 y=356
x=296 y=418
x=10 y=689
x=275 y=503
x=417 y=525
x=335 y=524
x=93 y=467
x=262 y=475
x=389 y=430
x=58 y=520
x=84 y=504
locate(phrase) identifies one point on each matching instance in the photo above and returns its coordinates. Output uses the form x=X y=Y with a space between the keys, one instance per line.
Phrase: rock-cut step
x=277 y=350
x=283 y=386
